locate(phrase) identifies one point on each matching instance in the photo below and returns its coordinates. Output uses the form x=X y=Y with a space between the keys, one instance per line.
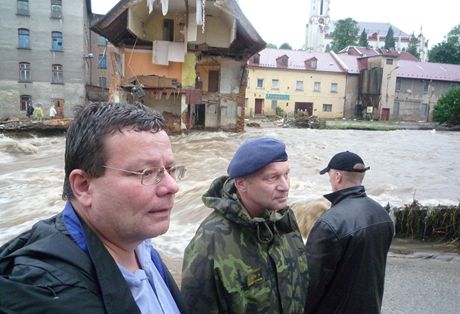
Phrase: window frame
x=57 y=41
x=275 y=84
x=57 y=74
x=23 y=101
x=317 y=87
x=23 y=8
x=102 y=61
x=297 y=87
x=23 y=37
x=102 y=79
x=25 y=72
x=334 y=89
x=398 y=84
x=56 y=9
x=327 y=107
x=261 y=85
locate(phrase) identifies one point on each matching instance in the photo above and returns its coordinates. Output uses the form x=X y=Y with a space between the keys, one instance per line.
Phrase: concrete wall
x=413 y=99
x=287 y=86
x=351 y=95
x=72 y=25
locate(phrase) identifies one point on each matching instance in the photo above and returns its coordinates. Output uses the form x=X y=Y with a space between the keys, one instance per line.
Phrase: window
x=317 y=87
x=102 y=64
x=256 y=58
x=389 y=61
x=168 y=30
x=260 y=83
x=398 y=84
x=333 y=87
x=56 y=9
x=102 y=82
x=327 y=107
x=58 y=75
x=25 y=73
x=24 y=101
x=102 y=41
x=274 y=104
x=56 y=41
x=299 y=85
x=23 y=7
x=426 y=86
x=275 y=84
x=23 y=38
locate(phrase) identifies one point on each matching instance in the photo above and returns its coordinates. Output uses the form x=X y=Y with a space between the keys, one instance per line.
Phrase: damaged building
x=184 y=58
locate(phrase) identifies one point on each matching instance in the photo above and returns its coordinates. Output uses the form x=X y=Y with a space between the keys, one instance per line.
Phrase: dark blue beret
x=255 y=154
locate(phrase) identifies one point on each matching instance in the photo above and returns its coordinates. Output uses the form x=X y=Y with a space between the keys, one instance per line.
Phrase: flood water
x=404 y=165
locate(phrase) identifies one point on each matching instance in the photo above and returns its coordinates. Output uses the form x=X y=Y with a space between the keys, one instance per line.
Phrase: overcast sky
x=279 y=21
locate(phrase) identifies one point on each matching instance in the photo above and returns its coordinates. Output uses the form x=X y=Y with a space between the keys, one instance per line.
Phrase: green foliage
x=448 y=51
x=270 y=45
x=286 y=46
x=344 y=34
x=412 y=47
x=390 y=39
x=447 y=110
x=280 y=112
x=363 y=39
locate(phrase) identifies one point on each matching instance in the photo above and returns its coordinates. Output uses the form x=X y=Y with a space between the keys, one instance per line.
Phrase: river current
x=405 y=165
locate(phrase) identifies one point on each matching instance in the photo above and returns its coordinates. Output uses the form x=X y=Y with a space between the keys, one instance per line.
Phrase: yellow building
x=295 y=81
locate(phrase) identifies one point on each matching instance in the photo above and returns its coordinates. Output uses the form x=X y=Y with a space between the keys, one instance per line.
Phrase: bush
x=447 y=110
x=280 y=112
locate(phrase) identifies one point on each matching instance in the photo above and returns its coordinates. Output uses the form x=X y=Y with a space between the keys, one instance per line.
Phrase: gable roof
x=325 y=60
x=429 y=71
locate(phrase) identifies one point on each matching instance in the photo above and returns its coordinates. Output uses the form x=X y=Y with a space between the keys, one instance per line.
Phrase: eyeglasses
x=153 y=175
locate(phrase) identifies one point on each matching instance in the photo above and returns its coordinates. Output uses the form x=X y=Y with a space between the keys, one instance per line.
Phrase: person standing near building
x=248 y=256
x=96 y=255
x=29 y=110
x=52 y=112
x=348 y=245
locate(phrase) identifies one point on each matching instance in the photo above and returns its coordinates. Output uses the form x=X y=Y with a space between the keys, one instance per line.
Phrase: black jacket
x=347 y=251
x=44 y=271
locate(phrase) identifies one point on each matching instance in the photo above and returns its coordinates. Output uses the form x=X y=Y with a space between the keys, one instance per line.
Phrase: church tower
x=317 y=25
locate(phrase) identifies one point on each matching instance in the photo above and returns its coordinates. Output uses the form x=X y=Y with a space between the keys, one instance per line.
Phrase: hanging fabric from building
x=150 y=5
x=164 y=5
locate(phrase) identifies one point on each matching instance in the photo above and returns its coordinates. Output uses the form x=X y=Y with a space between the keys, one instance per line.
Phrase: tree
x=270 y=45
x=286 y=46
x=344 y=34
x=412 y=47
x=390 y=39
x=447 y=110
x=363 y=39
x=448 y=51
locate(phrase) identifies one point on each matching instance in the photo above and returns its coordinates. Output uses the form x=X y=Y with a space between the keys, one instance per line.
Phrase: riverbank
x=25 y=127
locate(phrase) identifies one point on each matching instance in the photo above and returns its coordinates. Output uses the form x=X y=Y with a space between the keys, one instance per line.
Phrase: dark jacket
x=346 y=252
x=44 y=271
x=241 y=264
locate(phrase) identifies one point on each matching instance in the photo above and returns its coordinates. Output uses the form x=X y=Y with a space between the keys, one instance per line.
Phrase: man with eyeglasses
x=96 y=256
x=248 y=255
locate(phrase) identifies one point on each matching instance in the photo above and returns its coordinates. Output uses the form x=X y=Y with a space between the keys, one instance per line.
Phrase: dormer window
x=282 y=62
x=311 y=64
x=256 y=59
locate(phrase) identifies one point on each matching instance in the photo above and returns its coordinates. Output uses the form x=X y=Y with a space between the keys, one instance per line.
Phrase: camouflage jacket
x=239 y=264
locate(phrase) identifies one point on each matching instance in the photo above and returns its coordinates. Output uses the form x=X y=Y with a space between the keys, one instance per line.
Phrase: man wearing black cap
x=248 y=256
x=348 y=245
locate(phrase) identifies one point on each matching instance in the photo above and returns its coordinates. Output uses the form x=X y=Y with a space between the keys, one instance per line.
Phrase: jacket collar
x=337 y=196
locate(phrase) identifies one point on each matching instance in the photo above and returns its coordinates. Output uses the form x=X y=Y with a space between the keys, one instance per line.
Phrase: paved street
x=421 y=285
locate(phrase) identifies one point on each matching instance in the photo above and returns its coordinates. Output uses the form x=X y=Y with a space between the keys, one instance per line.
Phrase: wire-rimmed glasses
x=153 y=175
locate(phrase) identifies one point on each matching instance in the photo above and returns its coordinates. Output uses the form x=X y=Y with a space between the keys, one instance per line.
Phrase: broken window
x=56 y=41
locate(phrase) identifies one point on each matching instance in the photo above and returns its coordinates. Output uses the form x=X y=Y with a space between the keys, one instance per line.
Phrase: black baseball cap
x=344 y=161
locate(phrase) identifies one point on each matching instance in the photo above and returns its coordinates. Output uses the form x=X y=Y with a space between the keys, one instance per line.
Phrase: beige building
x=295 y=81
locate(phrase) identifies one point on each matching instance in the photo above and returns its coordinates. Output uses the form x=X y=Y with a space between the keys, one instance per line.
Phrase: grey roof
x=429 y=71
x=325 y=61
x=373 y=27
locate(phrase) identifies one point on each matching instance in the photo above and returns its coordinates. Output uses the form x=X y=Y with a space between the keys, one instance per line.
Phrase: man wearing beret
x=348 y=245
x=248 y=256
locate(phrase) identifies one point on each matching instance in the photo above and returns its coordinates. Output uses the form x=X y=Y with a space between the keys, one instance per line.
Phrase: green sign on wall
x=277 y=96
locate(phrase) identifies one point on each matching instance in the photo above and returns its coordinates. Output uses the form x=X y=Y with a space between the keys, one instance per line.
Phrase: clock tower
x=317 y=26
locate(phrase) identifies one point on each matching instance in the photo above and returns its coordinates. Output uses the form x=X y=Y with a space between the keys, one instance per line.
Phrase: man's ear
x=241 y=184
x=80 y=183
